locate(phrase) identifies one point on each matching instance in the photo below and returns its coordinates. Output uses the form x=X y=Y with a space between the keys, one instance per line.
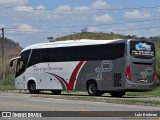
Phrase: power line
x=127 y=22
x=120 y=30
x=70 y=10
x=131 y=29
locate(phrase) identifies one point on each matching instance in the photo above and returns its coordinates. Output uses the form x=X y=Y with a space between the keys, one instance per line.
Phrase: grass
x=6 y=87
x=153 y=93
x=8 y=83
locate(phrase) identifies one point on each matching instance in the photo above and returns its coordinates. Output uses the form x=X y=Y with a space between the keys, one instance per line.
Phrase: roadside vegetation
x=153 y=93
x=11 y=49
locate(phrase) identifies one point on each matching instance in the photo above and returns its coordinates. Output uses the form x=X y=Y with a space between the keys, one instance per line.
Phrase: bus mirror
x=97 y=70
x=11 y=63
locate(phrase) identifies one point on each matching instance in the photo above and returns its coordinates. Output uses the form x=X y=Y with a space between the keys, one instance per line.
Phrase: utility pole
x=3 y=59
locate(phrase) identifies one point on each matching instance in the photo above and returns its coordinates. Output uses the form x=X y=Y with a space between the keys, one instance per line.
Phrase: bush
x=8 y=81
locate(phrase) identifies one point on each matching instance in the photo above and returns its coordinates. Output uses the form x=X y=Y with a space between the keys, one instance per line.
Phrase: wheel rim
x=33 y=87
x=92 y=88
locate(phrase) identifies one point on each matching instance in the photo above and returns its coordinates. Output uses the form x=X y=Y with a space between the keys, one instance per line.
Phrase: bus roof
x=68 y=43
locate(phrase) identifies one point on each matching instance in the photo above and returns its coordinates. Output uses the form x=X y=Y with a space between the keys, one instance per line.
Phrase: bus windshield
x=142 y=49
x=22 y=62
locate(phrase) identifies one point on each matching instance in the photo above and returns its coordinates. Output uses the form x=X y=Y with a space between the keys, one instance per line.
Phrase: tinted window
x=22 y=62
x=78 y=53
x=141 y=49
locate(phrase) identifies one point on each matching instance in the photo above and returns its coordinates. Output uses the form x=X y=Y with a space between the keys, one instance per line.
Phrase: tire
x=117 y=94
x=92 y=89
x=56 y=92
x=32 y=88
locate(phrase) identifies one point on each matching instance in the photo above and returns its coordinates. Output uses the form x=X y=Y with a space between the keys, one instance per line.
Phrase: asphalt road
x=25 y=102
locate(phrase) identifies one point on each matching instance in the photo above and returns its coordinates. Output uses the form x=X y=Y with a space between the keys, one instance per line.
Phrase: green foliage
x=158 y=59
x=6 y=87
x=8 y=70
x=8 y=81
x=153 y=93
x=11 y=49
x=94 y=36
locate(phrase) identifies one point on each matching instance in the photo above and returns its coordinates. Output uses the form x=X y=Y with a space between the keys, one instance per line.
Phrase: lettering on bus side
x=48 y=68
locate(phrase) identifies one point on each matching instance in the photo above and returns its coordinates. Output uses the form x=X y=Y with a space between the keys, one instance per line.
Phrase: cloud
x=25 y=28
x=136 y=14
x=72 y=10
x=131 y=25
x=40 y=7
x=103 y=18
x=159 y=10
x=12 y=2
x=59 y=13
x=24 y=9
x=2 y=26
x=82 y=8
x=63 y=8
x=99 y=4
x=93 y=29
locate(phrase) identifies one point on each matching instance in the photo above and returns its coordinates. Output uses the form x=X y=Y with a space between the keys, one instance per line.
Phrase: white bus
x=98 y=66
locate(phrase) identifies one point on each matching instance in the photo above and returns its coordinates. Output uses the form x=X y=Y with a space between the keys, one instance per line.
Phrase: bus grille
x=117 y=77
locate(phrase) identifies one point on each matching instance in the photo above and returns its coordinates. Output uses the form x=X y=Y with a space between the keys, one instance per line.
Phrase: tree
x=84 y=30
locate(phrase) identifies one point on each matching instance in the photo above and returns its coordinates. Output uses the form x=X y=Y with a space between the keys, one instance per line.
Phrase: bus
x=98 y=66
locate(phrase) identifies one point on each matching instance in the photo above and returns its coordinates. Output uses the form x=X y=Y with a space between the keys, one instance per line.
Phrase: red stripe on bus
x=70 y=85
x=73 y=76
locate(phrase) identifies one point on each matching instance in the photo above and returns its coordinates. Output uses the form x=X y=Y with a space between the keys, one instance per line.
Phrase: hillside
x=91 y=35
x=102 y=36
x=11 y=49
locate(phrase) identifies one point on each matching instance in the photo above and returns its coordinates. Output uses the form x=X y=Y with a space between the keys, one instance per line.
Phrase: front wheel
x=92 y=89
x=32 y=88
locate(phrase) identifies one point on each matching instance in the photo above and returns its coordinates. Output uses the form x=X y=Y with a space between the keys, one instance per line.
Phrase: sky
x=33 y=21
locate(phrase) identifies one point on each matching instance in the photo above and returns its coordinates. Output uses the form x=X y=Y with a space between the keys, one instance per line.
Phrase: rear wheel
x=117 y=94
x=32 y=88
x=56 y=92
x=92 y=89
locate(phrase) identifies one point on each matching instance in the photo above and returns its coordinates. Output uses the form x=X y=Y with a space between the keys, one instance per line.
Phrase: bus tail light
x=128 y=73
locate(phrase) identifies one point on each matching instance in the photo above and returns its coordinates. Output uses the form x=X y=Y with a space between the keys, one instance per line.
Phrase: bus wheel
x=32 y=88
x=56 y=92
x=117 y=94
x=92 y=89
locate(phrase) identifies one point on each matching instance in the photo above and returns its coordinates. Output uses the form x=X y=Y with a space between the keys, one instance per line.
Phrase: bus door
x=41 y=82
x=142 y=62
